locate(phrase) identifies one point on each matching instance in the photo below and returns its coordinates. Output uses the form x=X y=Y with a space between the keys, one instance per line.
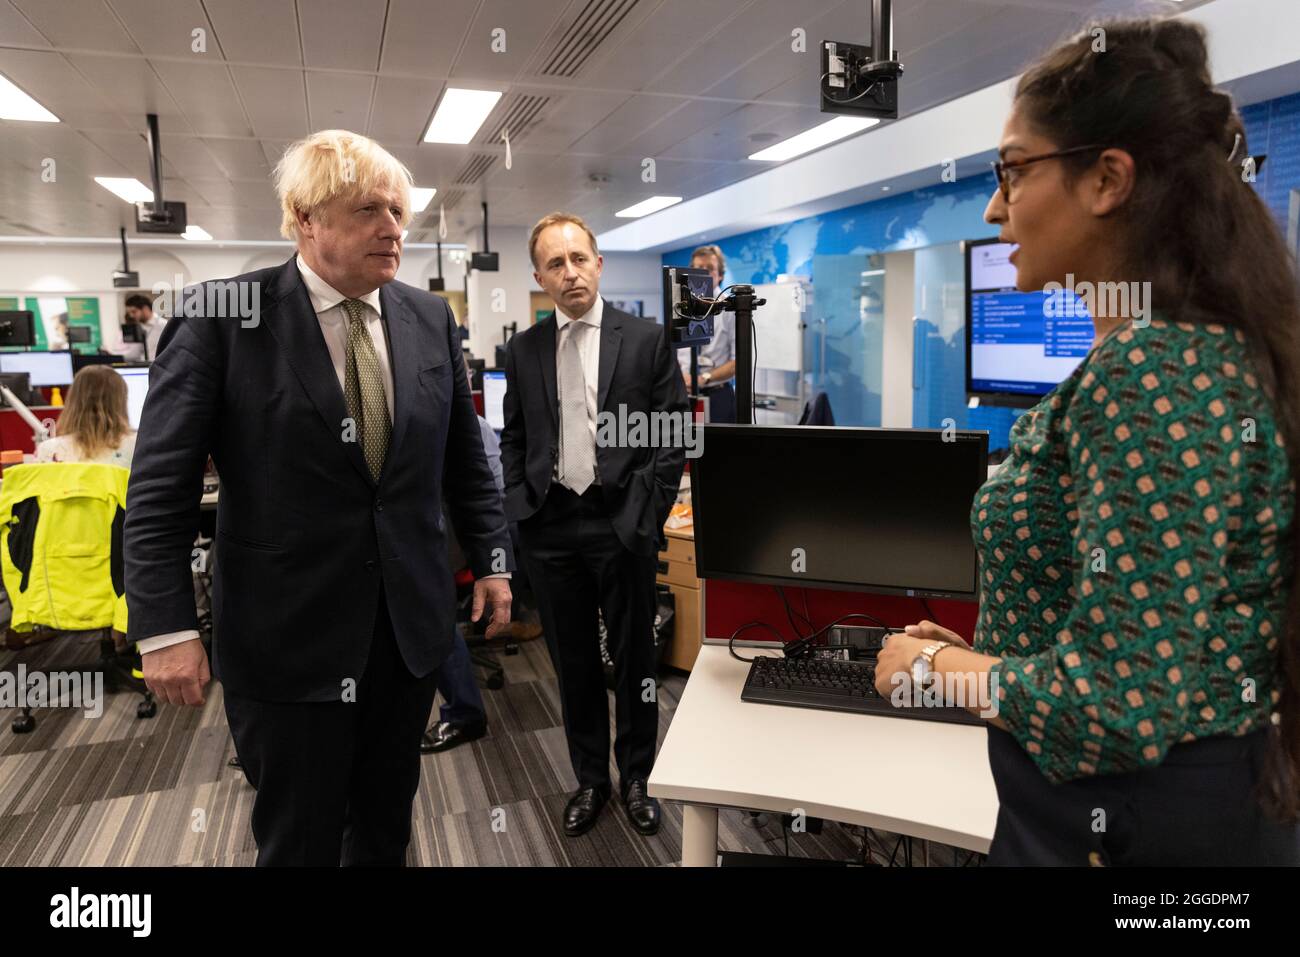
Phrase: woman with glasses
x=1138 y=622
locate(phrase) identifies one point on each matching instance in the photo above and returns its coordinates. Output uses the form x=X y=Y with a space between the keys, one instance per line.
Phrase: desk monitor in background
x=476 y=367
x=45 y=368
x=17 y=327
x=137 y=387
x=19 y=383
x=884 y=510
x=494 y=393
x=81 y=360
x=1016 y=352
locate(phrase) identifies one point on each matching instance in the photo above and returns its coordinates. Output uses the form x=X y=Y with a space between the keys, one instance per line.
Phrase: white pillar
x=499 y=298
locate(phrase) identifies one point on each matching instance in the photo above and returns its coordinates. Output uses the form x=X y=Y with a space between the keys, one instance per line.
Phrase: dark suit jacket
x=637 y=372
x=305 y=537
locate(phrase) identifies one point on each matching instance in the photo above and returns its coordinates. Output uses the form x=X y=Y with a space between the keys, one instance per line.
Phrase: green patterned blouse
x=1133 y=553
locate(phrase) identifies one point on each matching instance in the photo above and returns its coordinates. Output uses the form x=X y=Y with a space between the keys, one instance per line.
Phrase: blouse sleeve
x=1153 y=465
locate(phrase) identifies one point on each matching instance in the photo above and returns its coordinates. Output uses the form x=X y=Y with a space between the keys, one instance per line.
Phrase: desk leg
x=699 y=836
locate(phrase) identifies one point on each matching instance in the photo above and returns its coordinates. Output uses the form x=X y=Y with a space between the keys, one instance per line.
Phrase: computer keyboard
x=833 y=685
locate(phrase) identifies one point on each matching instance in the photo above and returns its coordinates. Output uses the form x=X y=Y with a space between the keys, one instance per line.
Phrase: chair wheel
x=496 y=681
x=23 y=724
x=146 y=709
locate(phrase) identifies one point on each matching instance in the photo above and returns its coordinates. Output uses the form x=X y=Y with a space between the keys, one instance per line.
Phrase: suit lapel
x=611 y=336
x=295 y=328
x=401 y=356
x=546 y=356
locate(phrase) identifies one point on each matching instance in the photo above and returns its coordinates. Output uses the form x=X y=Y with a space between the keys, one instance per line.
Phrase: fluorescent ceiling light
x=195 y=232
x=17 y=105
x=818 y=136
x=421 y=197
x=460 y=114
x=131 y=190
x=648 y=206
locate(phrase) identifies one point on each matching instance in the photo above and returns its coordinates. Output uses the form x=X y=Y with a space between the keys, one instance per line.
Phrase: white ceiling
x=697 y=85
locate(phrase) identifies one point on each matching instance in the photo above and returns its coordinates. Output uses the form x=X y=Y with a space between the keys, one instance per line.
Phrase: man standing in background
x=718 y=358
x=591 y=516
x=140 y=314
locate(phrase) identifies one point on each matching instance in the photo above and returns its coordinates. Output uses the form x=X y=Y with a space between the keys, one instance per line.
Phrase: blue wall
x=948 y=213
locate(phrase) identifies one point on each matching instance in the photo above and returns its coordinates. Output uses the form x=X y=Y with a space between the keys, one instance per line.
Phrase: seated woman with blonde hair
x=94 y=426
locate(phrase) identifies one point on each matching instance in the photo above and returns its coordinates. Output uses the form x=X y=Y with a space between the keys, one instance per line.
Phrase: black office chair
x=120 y=670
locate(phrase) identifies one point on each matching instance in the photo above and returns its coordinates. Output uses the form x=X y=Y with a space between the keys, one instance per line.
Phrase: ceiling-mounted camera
x=862 y=80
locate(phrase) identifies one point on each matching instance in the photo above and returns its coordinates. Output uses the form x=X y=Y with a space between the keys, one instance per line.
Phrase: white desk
x=921 y=778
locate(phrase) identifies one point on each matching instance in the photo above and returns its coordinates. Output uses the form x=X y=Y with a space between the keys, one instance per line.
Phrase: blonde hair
x=716 y=253
x=94 y=417
x=333 y=163
x=555 y=219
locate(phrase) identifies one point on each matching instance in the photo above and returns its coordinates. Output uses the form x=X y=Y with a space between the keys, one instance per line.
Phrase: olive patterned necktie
x=364 y=389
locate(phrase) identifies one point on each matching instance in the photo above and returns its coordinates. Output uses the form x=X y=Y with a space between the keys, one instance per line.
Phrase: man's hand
x=178 y=673
x=496 y=591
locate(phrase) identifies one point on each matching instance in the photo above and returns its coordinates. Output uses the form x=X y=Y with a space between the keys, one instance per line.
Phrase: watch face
x=919 y=671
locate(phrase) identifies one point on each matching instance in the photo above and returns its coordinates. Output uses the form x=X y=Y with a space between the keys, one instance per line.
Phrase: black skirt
x=1198 y=807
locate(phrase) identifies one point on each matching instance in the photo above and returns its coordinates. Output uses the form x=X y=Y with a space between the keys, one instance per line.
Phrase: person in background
x=94 y=426
x=717 y=359
x=591 y=511
x=139 y=312
x=1137 y=549
x=462 y=717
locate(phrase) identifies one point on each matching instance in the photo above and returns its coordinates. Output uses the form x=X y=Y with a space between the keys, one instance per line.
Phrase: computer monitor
x=883 y=510
x=19 y=384
x=476 y=367
x=17 y=327
x=79 y=334
x=45 y=368
x=81 y=360
x=137 y=387
x=494 y=393
x=1015 y=351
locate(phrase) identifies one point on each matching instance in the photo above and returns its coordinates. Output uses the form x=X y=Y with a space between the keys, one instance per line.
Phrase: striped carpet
x=121 y=791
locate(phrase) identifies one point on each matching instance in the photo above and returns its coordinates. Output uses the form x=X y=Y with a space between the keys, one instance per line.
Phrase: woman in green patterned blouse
x=1136 y=548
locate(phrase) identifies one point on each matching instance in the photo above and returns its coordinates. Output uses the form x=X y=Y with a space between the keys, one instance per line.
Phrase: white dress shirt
x=587 y=326
x=333 y=319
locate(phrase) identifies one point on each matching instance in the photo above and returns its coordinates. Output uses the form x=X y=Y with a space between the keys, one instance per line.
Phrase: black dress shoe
x=582 y=810
x=642 y=809
x=444 y=736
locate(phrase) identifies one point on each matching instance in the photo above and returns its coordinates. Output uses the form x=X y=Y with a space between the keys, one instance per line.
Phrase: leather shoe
x=642 y=809
x=582 y=810
x=444 y=736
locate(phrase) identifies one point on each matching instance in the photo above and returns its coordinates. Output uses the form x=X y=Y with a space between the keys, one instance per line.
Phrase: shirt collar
x=591 y=317
x=325 y=297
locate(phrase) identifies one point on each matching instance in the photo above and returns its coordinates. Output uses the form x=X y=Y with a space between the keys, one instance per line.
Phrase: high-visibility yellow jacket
x=61 y=545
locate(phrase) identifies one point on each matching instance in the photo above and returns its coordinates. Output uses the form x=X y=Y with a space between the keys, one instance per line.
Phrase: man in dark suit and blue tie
x=330 y=414
x=591 y=502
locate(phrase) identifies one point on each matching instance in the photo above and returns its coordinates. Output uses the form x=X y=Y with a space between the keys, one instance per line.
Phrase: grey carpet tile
x=116 y=790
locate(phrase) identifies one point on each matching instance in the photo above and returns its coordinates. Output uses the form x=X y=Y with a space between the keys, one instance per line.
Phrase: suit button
x=370 y=566
x=379 y=506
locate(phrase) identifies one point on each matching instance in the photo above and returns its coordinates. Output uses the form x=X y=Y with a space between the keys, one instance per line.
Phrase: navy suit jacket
x=638 y=374
x=307 y=541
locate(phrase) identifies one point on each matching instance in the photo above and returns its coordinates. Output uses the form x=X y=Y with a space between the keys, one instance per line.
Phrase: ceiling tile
x=257 y=31
x=342 y=33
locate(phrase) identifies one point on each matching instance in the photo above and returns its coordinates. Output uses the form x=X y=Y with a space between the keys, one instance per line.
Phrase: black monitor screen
x=861 y=509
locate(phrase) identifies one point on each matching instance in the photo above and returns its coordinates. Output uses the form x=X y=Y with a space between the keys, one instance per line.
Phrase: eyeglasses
x=1000 y=167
